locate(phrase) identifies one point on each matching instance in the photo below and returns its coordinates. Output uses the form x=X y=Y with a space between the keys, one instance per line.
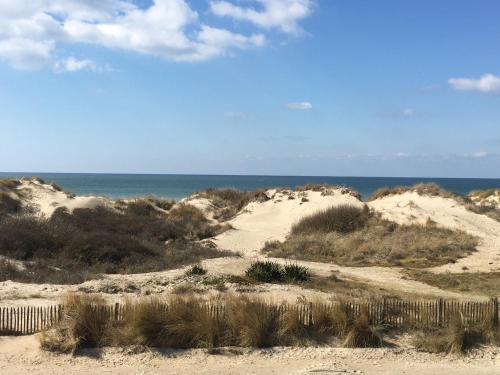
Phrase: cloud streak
x=300 y=106
x=281 y=14
x=487 y=83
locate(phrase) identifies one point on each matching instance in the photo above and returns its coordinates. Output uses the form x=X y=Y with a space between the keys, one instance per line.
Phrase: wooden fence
x=394 y=313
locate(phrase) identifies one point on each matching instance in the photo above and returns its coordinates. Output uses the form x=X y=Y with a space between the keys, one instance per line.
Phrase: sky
x=266 y=87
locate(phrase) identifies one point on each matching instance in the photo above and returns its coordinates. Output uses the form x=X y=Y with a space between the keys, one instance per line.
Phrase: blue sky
x=290 y=87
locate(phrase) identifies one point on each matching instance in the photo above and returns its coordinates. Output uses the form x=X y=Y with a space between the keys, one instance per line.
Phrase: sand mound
x=411 y=207
x=489 y=197
x=272 y=220
x=43 y=199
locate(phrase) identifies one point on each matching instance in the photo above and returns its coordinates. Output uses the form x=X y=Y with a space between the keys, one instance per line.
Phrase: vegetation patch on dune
x=103 y=240
x=484 y=194
x=272 y=272
x=326 y=189
x=489 y=210
x=353 y=236
x=426 y=189
x=228 y=202
x=482 y=283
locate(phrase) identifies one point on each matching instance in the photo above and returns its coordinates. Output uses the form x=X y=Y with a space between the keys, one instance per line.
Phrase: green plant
x=196 y=270
x=267 y=272
x=296 y=274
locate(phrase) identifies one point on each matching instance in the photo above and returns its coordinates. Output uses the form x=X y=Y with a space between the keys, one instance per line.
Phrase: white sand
x=21 y=355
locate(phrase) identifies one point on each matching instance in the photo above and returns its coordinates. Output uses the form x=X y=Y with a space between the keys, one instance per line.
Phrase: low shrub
x=196 y=270
x=272 y=272
x=378 y=242
x=103 y=240
x=458 y=338
x=296 y=274
x=39 y=272
x=252 y=323
x=8 y=205
x=341 y=219
x=266 y=272
x=362 y=334
x=85 y=324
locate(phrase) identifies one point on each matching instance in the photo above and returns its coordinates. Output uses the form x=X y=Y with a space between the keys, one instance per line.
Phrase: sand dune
x=259 y=222
x=44 y=199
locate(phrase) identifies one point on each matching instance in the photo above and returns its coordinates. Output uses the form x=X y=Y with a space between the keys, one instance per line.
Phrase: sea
x=178 y=186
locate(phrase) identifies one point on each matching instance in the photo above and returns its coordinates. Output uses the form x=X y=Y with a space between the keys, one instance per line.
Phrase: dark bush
x=105 y=240
x=196 y=270
x=296 y=274
x=342 y=219
x=266 y=272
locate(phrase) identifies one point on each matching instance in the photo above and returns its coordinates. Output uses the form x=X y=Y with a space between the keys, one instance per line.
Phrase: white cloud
x=304 y=106
x=24 y=53
x=32 y=31
x=486 y=83
x=281 y=14
x=72 y=64
x=479 y=154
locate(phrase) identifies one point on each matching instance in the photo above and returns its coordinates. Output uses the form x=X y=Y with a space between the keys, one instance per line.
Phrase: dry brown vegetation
x=458 y=338
x=429 y=189
x=359 y=237
x=187 y=322
x=326 y=189
x=229 y=202
x=485 y=209
x=482 y=283
x=484 y=194
x=103 y=240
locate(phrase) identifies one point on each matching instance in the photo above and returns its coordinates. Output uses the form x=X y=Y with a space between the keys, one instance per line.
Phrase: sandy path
x=21 y=355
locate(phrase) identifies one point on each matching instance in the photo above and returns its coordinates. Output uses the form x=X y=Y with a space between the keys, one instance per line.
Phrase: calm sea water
x=180 y=186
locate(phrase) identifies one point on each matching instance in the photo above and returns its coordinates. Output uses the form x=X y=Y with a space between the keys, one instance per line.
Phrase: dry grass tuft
x=342 y=219
x=362 y=334
x=457 y=338
x=252 y=323
x=84 y=324
x=180 y=322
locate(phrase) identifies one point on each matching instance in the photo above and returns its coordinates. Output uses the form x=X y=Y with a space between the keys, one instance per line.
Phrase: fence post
x=440 y=312
x=384 y=311
x=117 y=309
x=494 y=300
